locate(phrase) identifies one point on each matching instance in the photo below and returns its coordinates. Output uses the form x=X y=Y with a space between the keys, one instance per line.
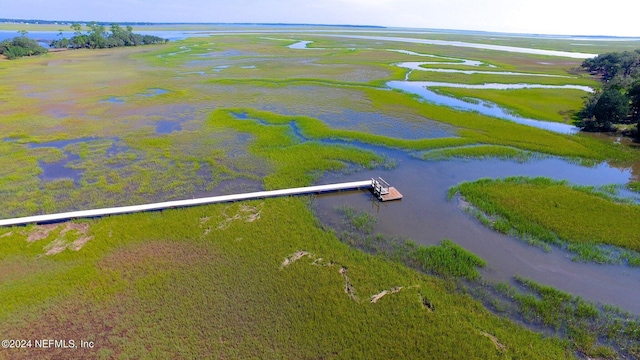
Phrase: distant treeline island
x=97 y=37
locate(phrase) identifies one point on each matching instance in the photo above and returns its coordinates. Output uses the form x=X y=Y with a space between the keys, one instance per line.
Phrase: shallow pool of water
x=62 y=169
x=114 y=100
x=385 y=125
x=300 y=45
x=61 y=144
x=406 y=127
x=168 y=126
x=153 y=92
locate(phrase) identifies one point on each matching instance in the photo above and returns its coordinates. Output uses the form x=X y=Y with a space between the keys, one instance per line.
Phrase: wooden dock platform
x=366 y=184
x=392 y=195
x=383 y=191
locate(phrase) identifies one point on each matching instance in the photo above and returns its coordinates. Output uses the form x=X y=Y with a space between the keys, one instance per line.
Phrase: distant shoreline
x=48 y=23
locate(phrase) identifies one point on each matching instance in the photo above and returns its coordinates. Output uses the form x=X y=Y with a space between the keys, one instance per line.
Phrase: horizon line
x=148 y=23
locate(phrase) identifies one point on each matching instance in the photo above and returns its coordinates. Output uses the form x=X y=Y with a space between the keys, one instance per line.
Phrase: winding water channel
x=427 y=217
x=421 y=88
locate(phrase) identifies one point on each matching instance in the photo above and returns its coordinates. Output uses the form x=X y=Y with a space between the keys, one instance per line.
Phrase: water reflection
x=168 y=126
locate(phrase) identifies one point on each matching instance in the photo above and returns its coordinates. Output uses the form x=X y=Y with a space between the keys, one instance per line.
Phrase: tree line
x=618 y=101
x=99 y=38
x=20 y=46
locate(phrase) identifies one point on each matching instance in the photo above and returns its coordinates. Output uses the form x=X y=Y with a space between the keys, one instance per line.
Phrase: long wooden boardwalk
x=367 y=184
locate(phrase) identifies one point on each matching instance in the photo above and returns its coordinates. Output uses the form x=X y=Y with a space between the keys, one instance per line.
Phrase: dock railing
x=380 y=187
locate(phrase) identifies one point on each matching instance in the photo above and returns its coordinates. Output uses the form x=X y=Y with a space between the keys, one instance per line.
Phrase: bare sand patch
x=375 y=298
x=41 y=232
x=320 y=262
x=245 y=213
x=348 y=287
x=499 y=346
x=61 y=243
x=293 y=258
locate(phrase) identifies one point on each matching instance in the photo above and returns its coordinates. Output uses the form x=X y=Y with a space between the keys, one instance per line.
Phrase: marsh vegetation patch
x=554 y=212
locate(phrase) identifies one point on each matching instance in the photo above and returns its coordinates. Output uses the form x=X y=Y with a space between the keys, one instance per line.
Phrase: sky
x=561 y=17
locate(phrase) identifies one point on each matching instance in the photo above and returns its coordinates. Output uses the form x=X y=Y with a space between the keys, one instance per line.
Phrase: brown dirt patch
x=75 y=319
x=143 y=259
x=10 y=270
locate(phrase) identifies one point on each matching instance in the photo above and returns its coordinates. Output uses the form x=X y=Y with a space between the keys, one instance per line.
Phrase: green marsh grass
x=449 y=259
x=557 y=105
x=555 y=212
x=477 y=152
x=145 y=280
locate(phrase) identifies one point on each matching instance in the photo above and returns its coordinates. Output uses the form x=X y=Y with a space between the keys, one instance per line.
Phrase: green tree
x=634 y=111
x=61 y=43
x=619 y=101
x=614 y=67
x=605 y=108
x=96 y=35
x=77 y=29
x=612 y=107
x=20 y=46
